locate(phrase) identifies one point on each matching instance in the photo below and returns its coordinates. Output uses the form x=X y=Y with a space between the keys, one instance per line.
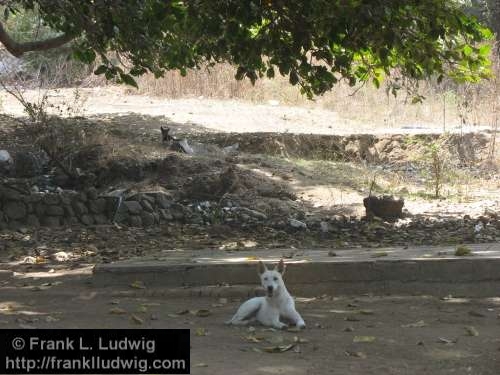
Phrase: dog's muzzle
x=270 y=291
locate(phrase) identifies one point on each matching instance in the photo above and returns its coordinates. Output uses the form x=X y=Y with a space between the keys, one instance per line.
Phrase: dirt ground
x=345 y=335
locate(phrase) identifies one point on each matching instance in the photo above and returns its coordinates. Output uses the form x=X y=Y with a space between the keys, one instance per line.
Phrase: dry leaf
x=203 y=313
x=300 y=340
x=355 y=354
x=278 y=349
x=471 y=331
x=201 y=332
x=136 y=319
x=138 y=285
x=117 y=311
x=446 y=341
x=364 y=339
x=418 y=324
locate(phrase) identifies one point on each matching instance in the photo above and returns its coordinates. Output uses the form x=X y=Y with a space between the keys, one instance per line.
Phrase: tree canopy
x=315 y=43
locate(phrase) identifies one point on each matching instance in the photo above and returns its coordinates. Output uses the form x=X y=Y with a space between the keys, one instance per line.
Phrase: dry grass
x=447 y=105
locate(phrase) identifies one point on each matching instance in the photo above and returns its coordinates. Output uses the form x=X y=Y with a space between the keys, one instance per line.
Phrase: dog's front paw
x=280 y=326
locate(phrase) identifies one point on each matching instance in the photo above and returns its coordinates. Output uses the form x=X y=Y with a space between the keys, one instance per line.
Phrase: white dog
x=277 y=303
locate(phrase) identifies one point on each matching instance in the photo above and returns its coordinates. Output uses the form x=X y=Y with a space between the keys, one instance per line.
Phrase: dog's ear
x=280 y=267
x=261 y=267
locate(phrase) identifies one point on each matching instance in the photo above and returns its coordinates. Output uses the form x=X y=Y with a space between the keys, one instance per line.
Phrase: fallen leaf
x=418 y=324
x=138 y=285
x=300 y=340
x=471 y=331
x=253 y=338
x=364 y=338
x=275 y=340
x=278 y=349
x=136 y=319
x=476 y=314
x=142 y=309
x=355 y=354
x=117 y=311
x=51 y=319
x=446 y=341
x=201 y=332
x=203 y=313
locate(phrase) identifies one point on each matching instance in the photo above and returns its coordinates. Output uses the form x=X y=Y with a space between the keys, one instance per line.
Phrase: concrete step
x=418 y=270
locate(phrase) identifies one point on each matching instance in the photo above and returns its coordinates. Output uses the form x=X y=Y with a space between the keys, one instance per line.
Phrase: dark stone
x=29 y=164
x=87 y=219
x=10 y=194
x=101 y=219
x=54 y=211
x=385 y=207
x=148 y=219
x=80 y=208
x=51 y=221
x=135 y=221
x=40 y=209
x=166 y=215
x=163 y=200
x=51 y=199
x=66 y=199
x=32 y=221
x=97 y=206
x=147 y=206
x=15 y=210
x=82 y=196
x=178 y=212
x=68 y=210
x=133 y=207
x=92 y=193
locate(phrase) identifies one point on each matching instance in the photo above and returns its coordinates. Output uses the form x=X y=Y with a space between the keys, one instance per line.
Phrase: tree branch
x=18 y=49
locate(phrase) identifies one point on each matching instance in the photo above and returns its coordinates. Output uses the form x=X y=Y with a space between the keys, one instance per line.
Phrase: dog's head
x=272 y=280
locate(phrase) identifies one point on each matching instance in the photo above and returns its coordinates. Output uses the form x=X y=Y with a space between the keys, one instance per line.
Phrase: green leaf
x=101 y=70
x=129 y=80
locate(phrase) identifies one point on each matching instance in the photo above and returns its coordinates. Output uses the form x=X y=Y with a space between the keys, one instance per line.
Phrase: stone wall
x=19 y=209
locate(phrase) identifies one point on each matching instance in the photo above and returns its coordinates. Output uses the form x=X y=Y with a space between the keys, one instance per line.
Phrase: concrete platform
x=417 y=270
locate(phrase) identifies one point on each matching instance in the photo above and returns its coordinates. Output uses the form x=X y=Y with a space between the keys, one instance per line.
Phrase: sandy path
x=218 y=115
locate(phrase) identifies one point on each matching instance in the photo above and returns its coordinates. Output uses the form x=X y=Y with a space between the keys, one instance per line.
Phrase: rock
x=51 y=199
x=80 y=208
x=385 y=207
x=6 y=162
x=178 y=212
x=163 y=200
x=133 y=207
x=87 y=219
x=15 y=210
x=324 y=227
x=51 y=221
x=32 y=221
x=97 y=206
x=148 y=219
x=92 y=193
x=54 y=210
x=297 y=224
x=10 y=194
x=28 y=164
x=60 y=256
x=68 y=210
x=101 y=219
x=135 y=221
x=252 y=213
x=166 y=215
x=147 y=205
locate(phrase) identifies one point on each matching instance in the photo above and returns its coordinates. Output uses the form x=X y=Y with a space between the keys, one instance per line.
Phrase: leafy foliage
x=315 y=43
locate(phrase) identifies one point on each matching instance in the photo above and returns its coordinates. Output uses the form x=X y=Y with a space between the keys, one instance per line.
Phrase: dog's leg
x=246 y=311
x=292 y=315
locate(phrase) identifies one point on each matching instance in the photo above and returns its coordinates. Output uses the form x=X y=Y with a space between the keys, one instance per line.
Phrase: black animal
x=165 y=136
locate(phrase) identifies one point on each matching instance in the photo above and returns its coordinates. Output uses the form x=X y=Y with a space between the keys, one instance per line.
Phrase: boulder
x=15 y=210
x=385 y=207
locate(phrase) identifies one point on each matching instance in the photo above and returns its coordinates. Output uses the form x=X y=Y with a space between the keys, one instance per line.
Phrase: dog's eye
x=275 y=278
x=265 y=278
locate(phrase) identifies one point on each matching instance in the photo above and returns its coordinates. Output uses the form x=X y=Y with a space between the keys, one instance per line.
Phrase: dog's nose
x=269 y=288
